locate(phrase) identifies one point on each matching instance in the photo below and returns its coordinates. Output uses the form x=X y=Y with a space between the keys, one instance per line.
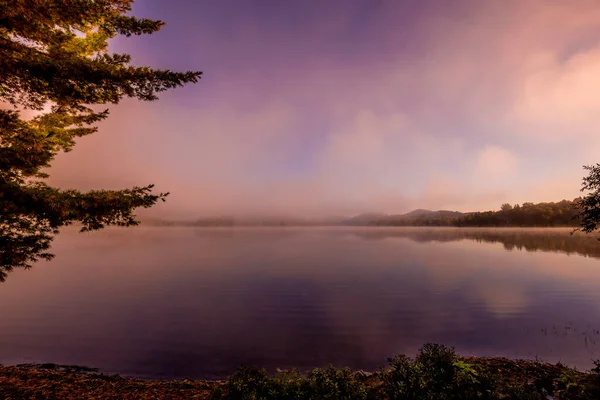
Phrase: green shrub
x=573 y=386
x=436 y=373
x=322 y=384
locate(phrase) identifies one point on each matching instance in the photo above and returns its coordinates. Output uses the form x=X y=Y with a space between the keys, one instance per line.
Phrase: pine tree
x=54 y=58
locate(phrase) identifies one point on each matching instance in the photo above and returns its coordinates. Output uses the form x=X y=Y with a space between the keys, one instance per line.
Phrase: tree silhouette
x=54 y=58
x=589 y=205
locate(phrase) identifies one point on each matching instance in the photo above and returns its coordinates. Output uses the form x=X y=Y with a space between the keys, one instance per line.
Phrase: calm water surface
x=187 y=302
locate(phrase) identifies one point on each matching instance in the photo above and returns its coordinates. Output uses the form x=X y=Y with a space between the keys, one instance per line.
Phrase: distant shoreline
x=191 y=225
x=541 y=215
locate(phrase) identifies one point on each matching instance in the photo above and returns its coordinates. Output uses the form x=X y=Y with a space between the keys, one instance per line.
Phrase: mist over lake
x=197 y=302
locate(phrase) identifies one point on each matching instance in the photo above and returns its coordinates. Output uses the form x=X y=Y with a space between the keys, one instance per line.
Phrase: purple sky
x=338 y=106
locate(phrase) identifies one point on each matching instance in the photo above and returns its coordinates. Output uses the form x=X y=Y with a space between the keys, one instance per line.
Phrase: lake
x=187 y=302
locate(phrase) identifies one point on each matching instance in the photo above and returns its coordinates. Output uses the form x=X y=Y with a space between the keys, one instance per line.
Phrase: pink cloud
x=479 y=114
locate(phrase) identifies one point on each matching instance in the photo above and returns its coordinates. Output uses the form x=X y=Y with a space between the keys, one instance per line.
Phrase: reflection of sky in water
x=190 y=302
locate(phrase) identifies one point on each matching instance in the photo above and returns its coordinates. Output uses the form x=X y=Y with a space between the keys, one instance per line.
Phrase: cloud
x=496 y=162
x=560 y=100
x=461 y=108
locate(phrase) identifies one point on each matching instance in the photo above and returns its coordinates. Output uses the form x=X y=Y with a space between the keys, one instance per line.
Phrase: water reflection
x=197 y=302
x=554 y=240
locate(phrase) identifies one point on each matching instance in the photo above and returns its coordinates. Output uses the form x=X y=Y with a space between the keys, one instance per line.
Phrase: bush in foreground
x=436 y=373
x=330 y=383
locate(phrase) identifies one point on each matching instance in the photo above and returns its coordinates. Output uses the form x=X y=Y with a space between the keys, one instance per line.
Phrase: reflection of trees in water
x=549 y=240
x=560 y=241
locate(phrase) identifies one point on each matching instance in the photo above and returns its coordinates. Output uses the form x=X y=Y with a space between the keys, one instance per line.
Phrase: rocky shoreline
x=481 y=377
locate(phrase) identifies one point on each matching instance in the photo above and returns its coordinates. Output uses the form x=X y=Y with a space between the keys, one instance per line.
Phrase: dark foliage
x=436 y=373
x=562 y=213
x=326 y=384
x=54 y=59
x=590 y=204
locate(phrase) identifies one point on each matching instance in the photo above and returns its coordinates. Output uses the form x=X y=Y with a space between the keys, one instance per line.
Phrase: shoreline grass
x=437 y=372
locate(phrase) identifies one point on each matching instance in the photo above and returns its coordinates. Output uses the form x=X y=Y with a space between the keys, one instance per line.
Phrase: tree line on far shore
x=562 y=213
